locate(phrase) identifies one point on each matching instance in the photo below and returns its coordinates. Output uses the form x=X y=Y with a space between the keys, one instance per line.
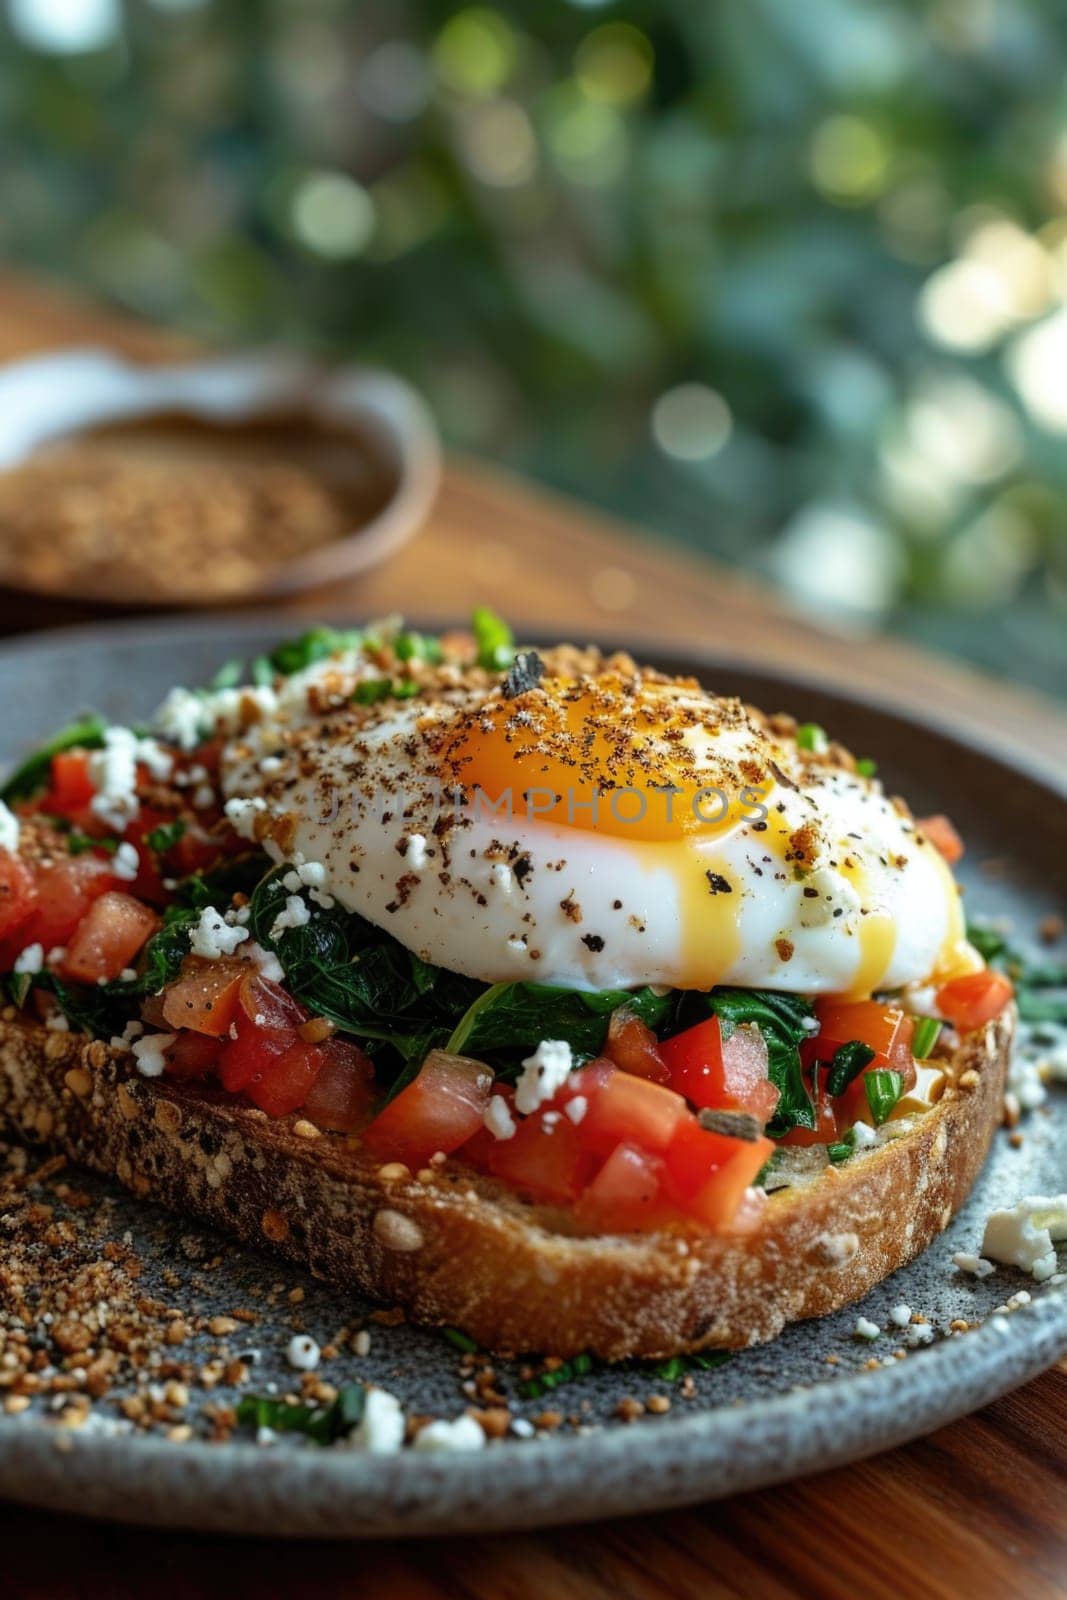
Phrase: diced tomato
x=268 y=1005
x=973 y=1000
x=266 y=1019
x=440 y=1110
x=205 y=995
x=65 y=891
x=628 y=1109
x=885 y=1029
x=626 y=1195
x=192 y=1055
x=18 y=893
x=194 y=852
x=707 y=1173
x=633 y=1047
x=694 y=1060
x=340 y=1097
x=720 y=1075
x=545 y=1158
x=108 y=938
x=830 y=1118
x=941 y=833
x=71 y=786
x=281 y=1083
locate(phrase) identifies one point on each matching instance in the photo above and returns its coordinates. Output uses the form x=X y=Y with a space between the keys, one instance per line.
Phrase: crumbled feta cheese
x=113 y=774
x=866 y=1329
x=439 y=1438
x=57 y=1022
x=148 y=1053
x=577 y=1108
x=501 y=876
x=918 y=1333
x=294 y=915
x=1026 y=1235
x=203 y=797
x=126 y=863
x=29 y=960
x=9 y=829
x=543 y=1073
x=181 y=718
x=863 y=1136
x=900 y=1316
x=321 y=898
x=302 y=1352
x=213 y=937
x=415 y=855
x=267 y=962
x=498 y=1118
x=975 y=1265
x=186 y=718
x=241 y=815
x=381 y=1427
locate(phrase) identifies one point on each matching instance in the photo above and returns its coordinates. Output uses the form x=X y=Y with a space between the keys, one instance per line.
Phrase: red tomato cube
x=108 y=938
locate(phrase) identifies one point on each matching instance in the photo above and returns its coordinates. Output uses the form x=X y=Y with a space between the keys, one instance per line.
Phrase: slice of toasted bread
x=455 y=1248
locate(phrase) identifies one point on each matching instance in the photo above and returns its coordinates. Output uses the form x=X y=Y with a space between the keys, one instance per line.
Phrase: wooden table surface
x=979 y=1508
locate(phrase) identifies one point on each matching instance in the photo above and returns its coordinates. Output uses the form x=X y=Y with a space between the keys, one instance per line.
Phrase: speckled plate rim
x=337 y=1493
x=240 y=1488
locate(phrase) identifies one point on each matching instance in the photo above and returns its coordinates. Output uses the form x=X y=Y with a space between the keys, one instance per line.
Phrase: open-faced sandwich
x=540 y=993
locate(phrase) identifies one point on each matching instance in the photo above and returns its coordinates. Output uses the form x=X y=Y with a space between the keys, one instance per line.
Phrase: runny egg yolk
x=646 y=769
x=583 y=755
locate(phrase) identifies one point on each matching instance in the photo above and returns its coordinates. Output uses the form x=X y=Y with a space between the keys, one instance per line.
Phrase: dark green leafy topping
x=493 y=639
x=33 y=774
x=322 y=1425
x=927 y=1032
x=166 y=836
x=849 y=1061
x=884 y=1089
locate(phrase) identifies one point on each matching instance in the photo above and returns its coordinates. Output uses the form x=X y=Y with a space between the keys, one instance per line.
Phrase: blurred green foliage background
x=787 y=281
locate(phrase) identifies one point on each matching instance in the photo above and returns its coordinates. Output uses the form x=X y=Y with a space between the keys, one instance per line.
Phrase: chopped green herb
x=321 y=1424
x=811 y=737
x=228 y=676
x=371 y=690
x=534 y=1388
x=33 y=773
x=79 y=844
x=316 y=645
x=461 y=1340
x=410 y=646
x=843 y=1148
x=166 y=836
x=261 y=672
x=404 y=688
x=19 y=985
x=927 y=1032
x=849 y=1061
x=867 y=767
x=493 y=638
x=884 y=1089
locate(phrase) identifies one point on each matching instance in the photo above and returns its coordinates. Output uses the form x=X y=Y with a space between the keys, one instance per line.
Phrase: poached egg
x=587 y=822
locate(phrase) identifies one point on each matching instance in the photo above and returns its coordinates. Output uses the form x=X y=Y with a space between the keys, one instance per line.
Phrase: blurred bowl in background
x=240 y=478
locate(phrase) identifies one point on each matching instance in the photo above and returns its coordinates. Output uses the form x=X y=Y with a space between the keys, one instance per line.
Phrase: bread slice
x=454 y=1248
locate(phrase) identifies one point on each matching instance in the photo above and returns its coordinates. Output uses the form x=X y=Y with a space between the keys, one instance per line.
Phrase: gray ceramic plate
x=765 y=1415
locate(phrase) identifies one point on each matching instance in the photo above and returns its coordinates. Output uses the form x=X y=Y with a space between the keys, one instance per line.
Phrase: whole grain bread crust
x=454 y=1248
